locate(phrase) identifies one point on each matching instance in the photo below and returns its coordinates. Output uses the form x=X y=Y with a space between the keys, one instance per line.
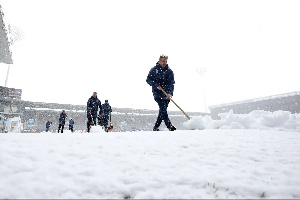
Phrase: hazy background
x=249 y=49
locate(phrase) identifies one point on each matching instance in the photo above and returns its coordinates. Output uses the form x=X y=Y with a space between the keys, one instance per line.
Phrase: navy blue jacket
x=71 y=123
x=48 y=124
x=62 y=118
x=92 y=105
x=161 y=76
x=106 y=108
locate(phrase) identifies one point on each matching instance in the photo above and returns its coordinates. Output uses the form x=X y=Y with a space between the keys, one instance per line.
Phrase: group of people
x=103 y=115
x=93 y=105
x=62 y=120
x=160 y=78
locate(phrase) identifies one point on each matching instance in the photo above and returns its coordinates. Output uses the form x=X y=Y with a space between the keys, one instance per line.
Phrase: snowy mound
x=258 y=119
x=97 y=129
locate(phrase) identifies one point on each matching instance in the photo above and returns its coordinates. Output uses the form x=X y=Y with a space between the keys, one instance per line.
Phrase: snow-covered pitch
x=240 y=156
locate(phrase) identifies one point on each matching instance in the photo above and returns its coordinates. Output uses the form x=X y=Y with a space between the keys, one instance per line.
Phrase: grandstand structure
x=34 y=115
x=285 y=102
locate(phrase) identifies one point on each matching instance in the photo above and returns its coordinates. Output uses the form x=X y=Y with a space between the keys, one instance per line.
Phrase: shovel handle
x=175 y=104
x=92 y=119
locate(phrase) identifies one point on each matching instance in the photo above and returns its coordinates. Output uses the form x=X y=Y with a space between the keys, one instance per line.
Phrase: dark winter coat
x=161 y=76
x=62 y=118
x=106 y=108
x=48 y=123
x=92 y=105
x=71 y=123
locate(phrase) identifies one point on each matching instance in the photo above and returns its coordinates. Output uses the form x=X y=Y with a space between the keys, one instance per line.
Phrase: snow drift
x=258 y=119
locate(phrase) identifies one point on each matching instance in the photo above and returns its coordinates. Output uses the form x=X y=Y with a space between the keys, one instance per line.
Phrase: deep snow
x=246 y=157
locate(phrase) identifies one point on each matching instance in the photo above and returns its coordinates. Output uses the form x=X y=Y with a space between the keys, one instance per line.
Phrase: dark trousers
x=61 y=126
x=71 y=128
x=162 y=114
x=90 y=123
x=105 y=120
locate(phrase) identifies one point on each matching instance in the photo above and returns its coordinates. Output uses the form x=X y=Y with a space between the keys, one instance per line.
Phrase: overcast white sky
x=71 y=48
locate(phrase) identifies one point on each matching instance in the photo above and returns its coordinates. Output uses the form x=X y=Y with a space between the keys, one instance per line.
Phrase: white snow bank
x=97 y=129
x=258 y=119
x=184 y=164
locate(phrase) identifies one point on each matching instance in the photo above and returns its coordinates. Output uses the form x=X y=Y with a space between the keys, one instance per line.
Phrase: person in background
x=71 y=125
x=48 y=124
x=106 y=114
x=62 y=120
x=162 y=77
x=92 y=110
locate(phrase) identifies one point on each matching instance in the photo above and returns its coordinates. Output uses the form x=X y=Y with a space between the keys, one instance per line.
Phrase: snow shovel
x=176 y=104
x=90 y=125
x=92 y=119
x=110 y=128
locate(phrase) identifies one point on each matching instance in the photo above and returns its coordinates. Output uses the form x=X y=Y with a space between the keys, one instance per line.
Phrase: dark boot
x=172 y=128
x=155 y=128
x=88 y=127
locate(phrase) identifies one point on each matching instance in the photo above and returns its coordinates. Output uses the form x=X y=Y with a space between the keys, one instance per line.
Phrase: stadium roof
x=5 y=53
x=296 y=93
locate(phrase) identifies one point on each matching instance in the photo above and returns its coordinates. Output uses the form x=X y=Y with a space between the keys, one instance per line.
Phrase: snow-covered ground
x=240 y=156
